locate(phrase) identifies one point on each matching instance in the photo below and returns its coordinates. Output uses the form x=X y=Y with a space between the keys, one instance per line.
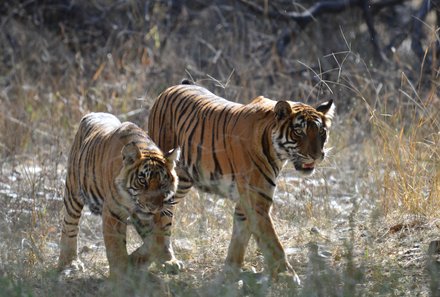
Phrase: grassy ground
x=361 y=226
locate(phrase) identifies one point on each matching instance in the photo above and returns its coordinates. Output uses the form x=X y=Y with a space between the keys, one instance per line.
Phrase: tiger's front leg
x=144 y=228
x=114 y=231
x=256 y=207
x=156 y=245
x=163 y=248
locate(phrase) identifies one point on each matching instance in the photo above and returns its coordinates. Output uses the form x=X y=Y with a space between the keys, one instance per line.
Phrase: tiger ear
x=282 y=110
x=130 y=153
x=328 y=109
x=173 y=156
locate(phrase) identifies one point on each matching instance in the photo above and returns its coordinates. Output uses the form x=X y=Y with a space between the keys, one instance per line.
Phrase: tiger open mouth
x=305 y=167
x=308 y=166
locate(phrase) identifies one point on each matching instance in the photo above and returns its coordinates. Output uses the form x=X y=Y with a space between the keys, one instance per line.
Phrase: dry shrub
x=410 y=157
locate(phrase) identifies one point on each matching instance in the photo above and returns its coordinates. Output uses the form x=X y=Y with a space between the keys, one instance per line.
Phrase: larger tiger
x=120 y=173
x=237 y=151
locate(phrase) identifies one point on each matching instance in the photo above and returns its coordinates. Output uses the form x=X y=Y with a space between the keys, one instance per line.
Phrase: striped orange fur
x=237 y=151
x=118 y=171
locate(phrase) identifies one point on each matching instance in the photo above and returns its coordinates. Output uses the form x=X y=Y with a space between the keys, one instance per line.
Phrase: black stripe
x=184 y=188
x=195 y=173
x=237 y=117
x=166 y=213
x=229 y=116
x=189 y=102
x=166 y=226
x=240 y=216
x=222 y=121
x=142 y=229
x=181 y=102
x=263 y=214
x=199 y=108
x=156 y=127
x=99 y=196
x=135 y=134
x=217 y=167
x=95 y=205
x=202 y=139
x=192 y=118
x=168 y=99
x=87 y=127
x=266 y=177
x=115 y=215
x=69 y=209
x=266 y=144
x=207 y=113
x=283 y=131
x=161 y=103
x=185 y=179
x=189 y=141
x=75 y=204
x=113 y=196
x=265 y=196
x=93 y=168
x=69 y=223
x=85 y=156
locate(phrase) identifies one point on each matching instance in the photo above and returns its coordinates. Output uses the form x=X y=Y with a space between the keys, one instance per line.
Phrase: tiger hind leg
x=69 y=230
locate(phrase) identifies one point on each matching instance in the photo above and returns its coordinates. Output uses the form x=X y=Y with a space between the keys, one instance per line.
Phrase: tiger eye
x=298 y=131
x=142 y=180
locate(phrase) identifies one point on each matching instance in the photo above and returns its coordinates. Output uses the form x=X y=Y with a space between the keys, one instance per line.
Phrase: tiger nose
x=158 y=201
x=319 y=155
x=154 y=207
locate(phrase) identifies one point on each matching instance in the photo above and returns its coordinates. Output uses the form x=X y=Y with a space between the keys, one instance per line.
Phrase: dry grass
x=411 y=155
x=360 y=226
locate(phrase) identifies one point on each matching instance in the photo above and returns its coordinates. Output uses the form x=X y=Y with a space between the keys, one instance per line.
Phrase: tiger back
x=120 y=173
x=237 y=151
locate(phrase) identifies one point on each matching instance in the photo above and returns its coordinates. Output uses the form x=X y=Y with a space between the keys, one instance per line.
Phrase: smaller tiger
x=120 y=173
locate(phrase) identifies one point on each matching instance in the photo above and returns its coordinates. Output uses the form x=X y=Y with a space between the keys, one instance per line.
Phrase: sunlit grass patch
x=408 y=152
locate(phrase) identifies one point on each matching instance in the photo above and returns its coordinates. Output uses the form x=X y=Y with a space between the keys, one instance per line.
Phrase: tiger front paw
x=71 y=268
x=285 y=273
x=289 y=277
x=173 y=266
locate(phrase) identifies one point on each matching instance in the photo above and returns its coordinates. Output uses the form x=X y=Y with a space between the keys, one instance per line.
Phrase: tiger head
x=148 y=177
x=301 y=133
